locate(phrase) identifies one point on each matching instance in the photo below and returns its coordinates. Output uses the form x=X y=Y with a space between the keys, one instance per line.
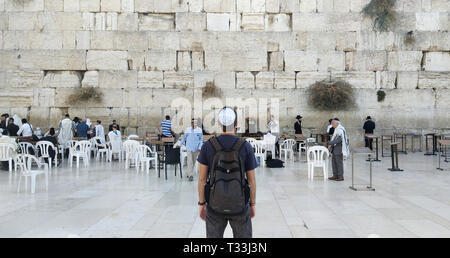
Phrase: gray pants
x=337 y=162
x=191 y=159
x=216 y=224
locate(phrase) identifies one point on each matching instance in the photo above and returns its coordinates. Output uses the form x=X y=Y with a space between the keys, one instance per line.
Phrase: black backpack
x=227 y=191
x=274 y=163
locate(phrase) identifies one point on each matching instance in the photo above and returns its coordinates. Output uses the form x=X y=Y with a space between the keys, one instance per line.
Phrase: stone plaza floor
x=106 y=200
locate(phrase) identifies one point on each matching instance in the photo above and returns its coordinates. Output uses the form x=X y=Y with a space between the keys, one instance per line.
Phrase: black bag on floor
x=274 y=163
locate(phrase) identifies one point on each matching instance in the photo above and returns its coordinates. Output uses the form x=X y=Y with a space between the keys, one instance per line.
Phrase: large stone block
x=33 y=6
x=89 y=5
x=19 y=97
x=190 y=21
x=309 y=22
x=117 y=79
x=45 y=97
x=179 y=80
x=106 y=60
x=407 y=80
x=245 y=80
x=156 y=22
x=22 y=21
x=285 y=80
x=427 y=21
x=373 y=40
x=82 y=40
x=303 y=61
x=434 y=80
x=276 y=61
x=251 y=6
x=71 y=6
x=308 y=6
x=404 y=61
x=289 y=6
x=136 y=60
x=110 y=5
x=252 y=22
x=346 y=41
x=111 y=21
x=24 y=78
x=111 y=98
x=265 y=80
x=359 y=80
x=164 y=41
x=150 y=79
x=218 y=22
x=198 y=60
x=386 y=79
x=331 y=61
x=102 y=40
x=325 y=6
x=62 y=79
x=236 y=61
x=52 y=59
x=437 y=61
x=156 y=60
x=219 y=6
x=90 y=79
x=278 y=22
x=128 y=22
x=134 y=41
x=340 y=22
x=223 y=80
x=366 y=60
x=55 y=5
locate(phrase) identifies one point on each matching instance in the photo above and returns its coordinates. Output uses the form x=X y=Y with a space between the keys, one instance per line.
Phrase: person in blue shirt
x=82 y=129
x=193 y=140
x=166 y=128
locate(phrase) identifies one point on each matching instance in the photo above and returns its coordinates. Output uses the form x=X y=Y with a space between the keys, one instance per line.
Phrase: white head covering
x=227 y=117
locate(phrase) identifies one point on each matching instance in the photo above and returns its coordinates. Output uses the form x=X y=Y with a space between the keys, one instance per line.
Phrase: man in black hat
x=114 y=122
x=298 y=125
x=368 y=127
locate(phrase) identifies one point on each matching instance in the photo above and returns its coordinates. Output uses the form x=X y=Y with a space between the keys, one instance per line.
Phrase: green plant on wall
x=381 y=95
x=84 y=95
x=382 y=13
x=331 y=95
x=409 y=38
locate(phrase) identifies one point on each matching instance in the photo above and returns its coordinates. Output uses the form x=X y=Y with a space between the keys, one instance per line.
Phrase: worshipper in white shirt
x=66 y=130
x=26 y=129
x=100 y=131
x=274 y=129
x=115 y=139
x=11 y=141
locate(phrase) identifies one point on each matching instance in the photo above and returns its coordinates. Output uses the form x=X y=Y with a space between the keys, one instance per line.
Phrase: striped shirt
x=166 y=125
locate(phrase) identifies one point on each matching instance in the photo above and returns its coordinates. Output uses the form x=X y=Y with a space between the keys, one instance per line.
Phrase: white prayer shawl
x=340 y=131
x=65 y=131
x=115 y=138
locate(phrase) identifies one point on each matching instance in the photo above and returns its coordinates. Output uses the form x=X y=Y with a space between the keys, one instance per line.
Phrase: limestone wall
x=143 y=53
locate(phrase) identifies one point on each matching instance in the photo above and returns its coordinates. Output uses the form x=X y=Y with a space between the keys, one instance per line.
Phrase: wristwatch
x=201 y=203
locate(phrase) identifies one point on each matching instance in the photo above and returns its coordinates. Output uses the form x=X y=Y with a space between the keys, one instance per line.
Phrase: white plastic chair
x=183 y=155
x=132 y=136
x=131 y=149
x=288 y=148
x=146 y=154
x=115 y=147
x=44 y=148
x=260 y=152
x=25 y=147
x=269 y=141
x=26 y=162
x=317 y=156
x=62 y=147
x=101 y=150
x=80 y=150
x=7 y=153
x=250 y=140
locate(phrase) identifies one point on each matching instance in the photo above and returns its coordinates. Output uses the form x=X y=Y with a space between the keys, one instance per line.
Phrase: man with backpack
x=226 y=184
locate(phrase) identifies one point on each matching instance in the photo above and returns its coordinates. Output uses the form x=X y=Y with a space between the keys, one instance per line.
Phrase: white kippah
x=227 y=116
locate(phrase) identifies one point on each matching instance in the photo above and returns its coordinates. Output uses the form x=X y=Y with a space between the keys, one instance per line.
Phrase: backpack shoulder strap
x=238 y=144
x=216 y=144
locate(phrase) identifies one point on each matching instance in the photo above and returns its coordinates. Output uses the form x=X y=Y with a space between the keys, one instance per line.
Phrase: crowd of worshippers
x=83 y=129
